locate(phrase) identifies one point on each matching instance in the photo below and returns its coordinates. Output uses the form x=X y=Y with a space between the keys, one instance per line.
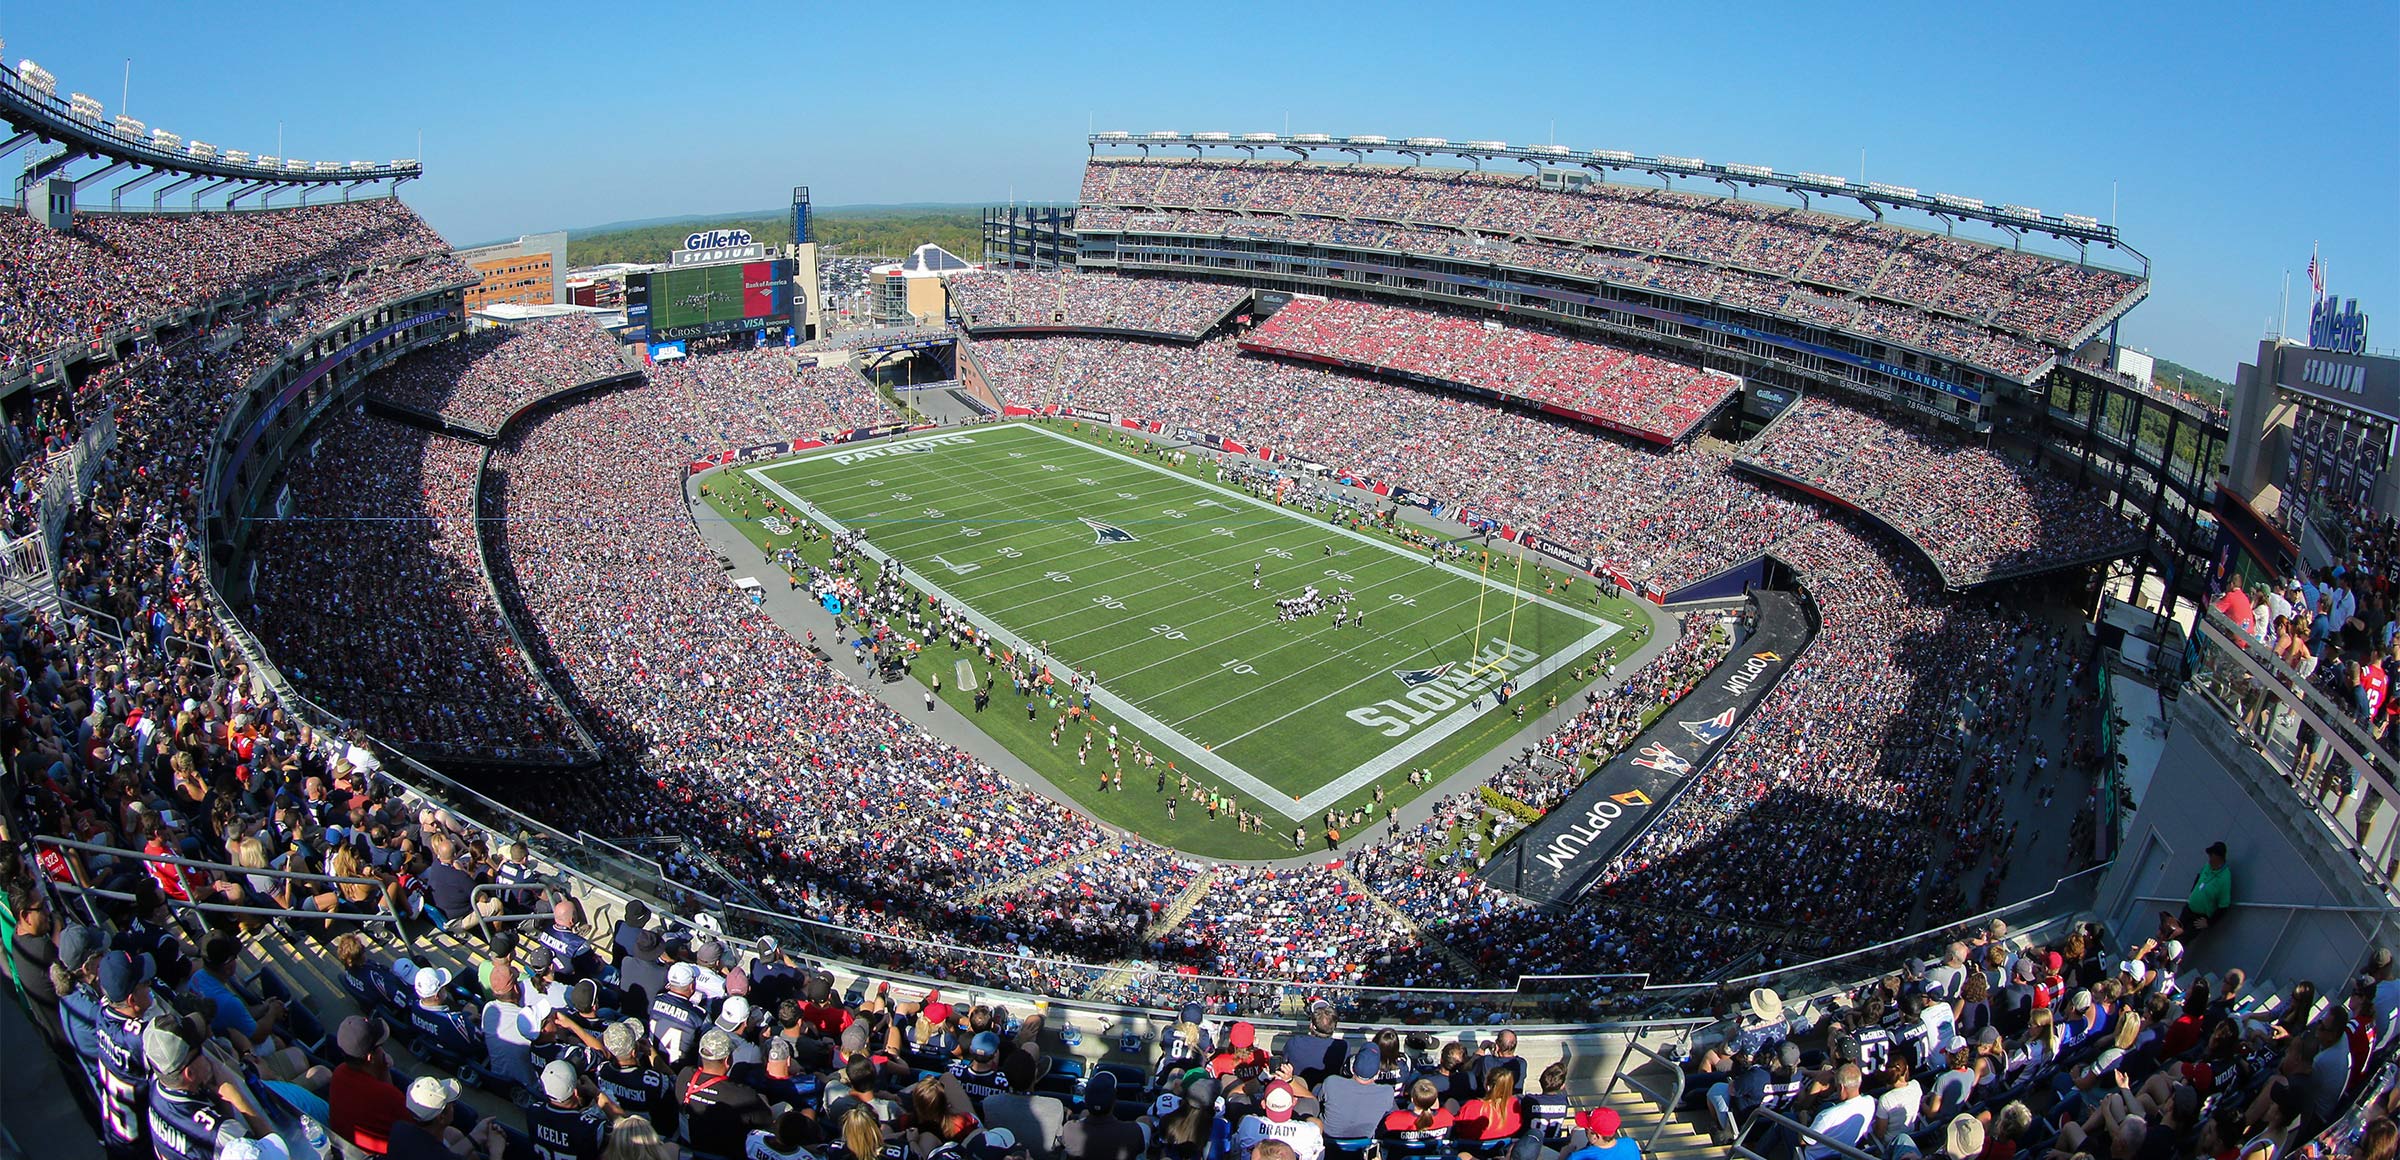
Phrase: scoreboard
x=699 y=301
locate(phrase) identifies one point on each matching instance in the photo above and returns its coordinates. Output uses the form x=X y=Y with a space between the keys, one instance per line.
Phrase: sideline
x=798 y=616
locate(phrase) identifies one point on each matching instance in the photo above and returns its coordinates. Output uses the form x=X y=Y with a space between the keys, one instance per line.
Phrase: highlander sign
x=1556 y=859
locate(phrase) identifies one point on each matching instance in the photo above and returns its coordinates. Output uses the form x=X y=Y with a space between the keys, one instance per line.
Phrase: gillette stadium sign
x=717 y=246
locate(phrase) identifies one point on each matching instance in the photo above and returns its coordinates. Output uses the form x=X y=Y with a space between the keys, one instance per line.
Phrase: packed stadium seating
x=1050 y=300
x=371 y=598
x=491 y=374
x=62 y=288
x=1983 y=304
x=1651 y=396
x=873 y=846
x=1978 y=515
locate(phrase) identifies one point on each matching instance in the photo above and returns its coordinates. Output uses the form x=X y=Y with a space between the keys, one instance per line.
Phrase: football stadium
x=1320 y=647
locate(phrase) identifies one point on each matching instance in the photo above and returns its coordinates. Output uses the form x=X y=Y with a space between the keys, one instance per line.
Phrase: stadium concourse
x=362 y=933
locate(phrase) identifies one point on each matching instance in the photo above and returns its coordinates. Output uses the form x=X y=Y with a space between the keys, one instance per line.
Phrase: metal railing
x=82 y=887
x=1808 y=1137
x=2060 y=905
x=2336 y=767
x=1667 y=1102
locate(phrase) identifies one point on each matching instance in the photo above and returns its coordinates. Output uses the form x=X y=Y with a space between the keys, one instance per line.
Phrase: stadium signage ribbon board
x=2361 y=381
x=1556 y=859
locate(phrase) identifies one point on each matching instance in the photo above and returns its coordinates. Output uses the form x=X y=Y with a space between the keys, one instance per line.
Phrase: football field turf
x=1165 y=584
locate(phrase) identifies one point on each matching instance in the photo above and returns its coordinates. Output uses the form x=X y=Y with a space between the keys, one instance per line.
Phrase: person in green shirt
x=2212 y=891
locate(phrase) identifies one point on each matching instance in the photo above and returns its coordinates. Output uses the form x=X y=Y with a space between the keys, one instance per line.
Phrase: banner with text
x=1557 y=858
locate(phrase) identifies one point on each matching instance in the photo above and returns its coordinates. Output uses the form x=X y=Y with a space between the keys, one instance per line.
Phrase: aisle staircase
x=1466 y=968
x=1175 y=912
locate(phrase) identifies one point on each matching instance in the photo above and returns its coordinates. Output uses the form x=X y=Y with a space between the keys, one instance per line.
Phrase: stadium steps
x=1010 y=884
x=1180 y=909
x=1465 y=967
x=1682 y=1134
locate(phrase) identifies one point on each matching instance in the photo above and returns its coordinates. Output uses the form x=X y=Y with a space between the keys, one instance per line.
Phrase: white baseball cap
x=683 y=975
x=558 y=1080
x=429 y=1095
x=429 y=981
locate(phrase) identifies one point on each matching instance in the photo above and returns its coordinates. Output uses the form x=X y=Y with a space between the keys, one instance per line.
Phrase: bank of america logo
x=1415 y=677
x=1107 y=533
x=1711 y=731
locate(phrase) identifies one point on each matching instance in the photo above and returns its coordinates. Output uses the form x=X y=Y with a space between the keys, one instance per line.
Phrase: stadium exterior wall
x=2300 y=911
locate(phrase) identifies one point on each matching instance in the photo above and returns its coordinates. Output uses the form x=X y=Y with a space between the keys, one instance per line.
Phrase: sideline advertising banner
x=1555 y=860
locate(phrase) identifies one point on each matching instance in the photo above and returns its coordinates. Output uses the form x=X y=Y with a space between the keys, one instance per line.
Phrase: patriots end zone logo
x=1415 y=677
x=1711 y=731
x=1107 y=533
x=1659 y=757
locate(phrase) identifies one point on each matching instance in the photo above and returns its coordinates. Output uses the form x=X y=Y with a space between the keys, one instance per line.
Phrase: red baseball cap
x=1598 y=1121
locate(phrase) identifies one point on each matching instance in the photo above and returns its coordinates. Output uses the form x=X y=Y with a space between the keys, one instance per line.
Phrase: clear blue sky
x=2237 y=134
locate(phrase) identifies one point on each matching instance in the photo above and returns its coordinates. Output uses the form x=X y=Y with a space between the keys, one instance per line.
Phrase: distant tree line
x=847 y=233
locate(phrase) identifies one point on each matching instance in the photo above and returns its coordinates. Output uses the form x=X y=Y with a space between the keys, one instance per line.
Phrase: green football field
x=1163 y=585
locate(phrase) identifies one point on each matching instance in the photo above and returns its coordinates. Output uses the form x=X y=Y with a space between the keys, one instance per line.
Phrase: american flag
x=2316 y=273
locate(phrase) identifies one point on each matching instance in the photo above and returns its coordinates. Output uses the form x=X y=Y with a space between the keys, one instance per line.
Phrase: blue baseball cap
x=123 y=973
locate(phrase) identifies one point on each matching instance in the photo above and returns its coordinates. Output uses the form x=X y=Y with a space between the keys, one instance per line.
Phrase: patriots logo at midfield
x=1415 y=677
x=1107 y=533
x=1711 y=731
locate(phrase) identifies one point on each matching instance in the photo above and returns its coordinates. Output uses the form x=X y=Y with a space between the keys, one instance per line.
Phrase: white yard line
x=1201 y=755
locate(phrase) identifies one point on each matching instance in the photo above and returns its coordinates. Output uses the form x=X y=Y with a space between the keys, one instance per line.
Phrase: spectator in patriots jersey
x=677 y=1017
x=1422 y=1128
x=571 y=954
x=124 y=1067
x=516 y=870
x=569 y=1123
x=372 y=988
x=980 y=1071
x=79 y=1001
x=631 y=1080
x=449 y=1031
x=776 y=1077
x=196 y=1101
x=775 y=976
x=1185 y=1045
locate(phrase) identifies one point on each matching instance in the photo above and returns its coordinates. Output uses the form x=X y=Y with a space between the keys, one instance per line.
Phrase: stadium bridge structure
x=1958 y=335
x=2313 y=894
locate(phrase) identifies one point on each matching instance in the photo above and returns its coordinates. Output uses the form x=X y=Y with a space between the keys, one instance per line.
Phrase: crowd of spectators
x=1664 y=399
x=1939 y=334
x=740 y=397
x=486 y=376
x=2046 y=299
x=1058 y=300
x=62 y=288
x=803 y=792
x=1977 y=513
x=370 y=596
